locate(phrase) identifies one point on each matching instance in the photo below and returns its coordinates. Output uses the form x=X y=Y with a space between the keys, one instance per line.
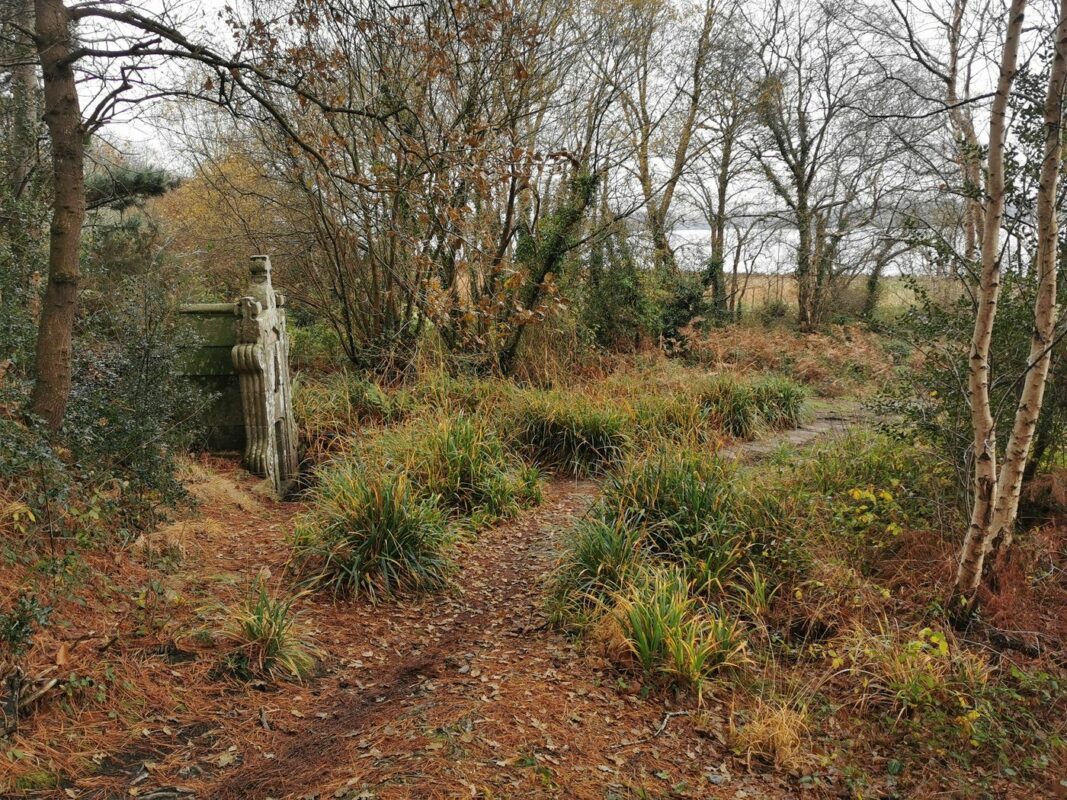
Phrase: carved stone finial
x=260 y=286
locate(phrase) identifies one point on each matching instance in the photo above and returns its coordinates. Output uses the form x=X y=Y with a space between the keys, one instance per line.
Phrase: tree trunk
x=717 y=265
x=62 y=115
x=663 y=253
x=874 y=290
x=735 y=292
x=803 y=272
x=1028 y=410
x=542 y=253
x=24 y=108
x=977 y=541
x=716 y=269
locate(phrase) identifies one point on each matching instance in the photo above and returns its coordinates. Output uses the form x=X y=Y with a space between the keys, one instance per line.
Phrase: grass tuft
x=568 y=432
x=372 y=535
x=463 y=463
x=667 y=634
x=680 y=500
x=906 y=670
x=774 y=732
x=731 y=404
x=331 y=409
x=267 y=636
x=780 y=401
x=599 y=560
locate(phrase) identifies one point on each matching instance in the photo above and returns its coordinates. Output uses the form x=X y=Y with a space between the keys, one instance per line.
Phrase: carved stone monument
x=257 y=345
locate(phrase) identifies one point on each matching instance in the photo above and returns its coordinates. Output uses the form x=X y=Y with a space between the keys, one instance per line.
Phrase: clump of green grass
x=457 y=460
x=780 y=401
x=461 y=395
x=669 y=417
x=743 y=409
x=667 y=634
x=731 y=404
x=681 y=500
x=267 y=636
x=568 y=431
x=372 y=535
x=667 y=508
x=599 y=560
x=463 y=463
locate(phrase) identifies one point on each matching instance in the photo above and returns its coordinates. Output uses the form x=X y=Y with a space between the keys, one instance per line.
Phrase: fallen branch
x=662 y=727
x=1006 y=641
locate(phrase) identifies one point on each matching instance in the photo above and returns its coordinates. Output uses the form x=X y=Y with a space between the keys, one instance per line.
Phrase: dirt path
x=472 y=695
x=836 y=417
x=463 y=694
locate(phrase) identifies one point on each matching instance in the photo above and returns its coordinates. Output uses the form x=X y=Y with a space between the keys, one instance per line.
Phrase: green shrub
x=20 y=623
x=771 y=312
x=314 y=346
x=682 y=300
x=907 y=669
x=463 y=463
x=32 y=472
x=266 y=632
x=568 y=431
x=668 y=634
x=371 y=534
x=920 y=486
x=731 y=404
x=598 y=560
x=130 y=410
x=929 y=402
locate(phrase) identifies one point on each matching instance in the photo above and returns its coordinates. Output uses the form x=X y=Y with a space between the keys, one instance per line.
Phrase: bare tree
x=722 y=158
x=665 y=106
x=824 y=159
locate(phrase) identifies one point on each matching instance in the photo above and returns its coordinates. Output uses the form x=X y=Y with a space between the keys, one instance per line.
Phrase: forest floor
x=465 y=693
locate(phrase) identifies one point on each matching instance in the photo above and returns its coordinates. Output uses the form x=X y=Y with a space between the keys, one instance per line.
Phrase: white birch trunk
x=997 y=496
x=1009 y=483
x=985 y=451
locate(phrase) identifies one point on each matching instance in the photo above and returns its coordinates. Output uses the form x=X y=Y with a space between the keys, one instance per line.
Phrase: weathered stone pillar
x=243 y=361
x=261 y=358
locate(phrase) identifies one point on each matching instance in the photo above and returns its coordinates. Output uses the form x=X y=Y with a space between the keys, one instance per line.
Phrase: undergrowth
x=371 y=535
x=266 y=636
x=570 y=433
x=717 y=579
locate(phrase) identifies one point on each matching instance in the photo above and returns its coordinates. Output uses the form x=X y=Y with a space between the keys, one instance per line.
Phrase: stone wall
x=209 y=365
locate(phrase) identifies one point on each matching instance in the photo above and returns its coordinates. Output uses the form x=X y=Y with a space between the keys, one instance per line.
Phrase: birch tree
x=997 y=487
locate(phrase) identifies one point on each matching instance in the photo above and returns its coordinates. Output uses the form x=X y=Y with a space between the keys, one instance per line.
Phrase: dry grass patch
x=772 y=731
x=847 y=359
